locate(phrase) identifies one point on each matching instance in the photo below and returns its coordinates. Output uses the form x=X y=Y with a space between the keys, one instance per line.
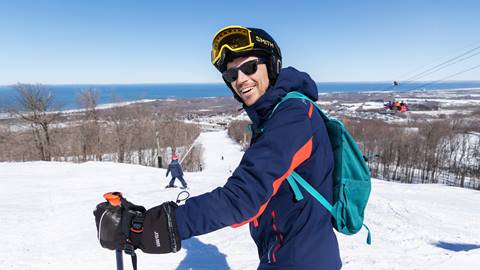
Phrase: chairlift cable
x=400 y=78
x=445 y=66
x=439 y=66
x=445 y=78
x=442 y=65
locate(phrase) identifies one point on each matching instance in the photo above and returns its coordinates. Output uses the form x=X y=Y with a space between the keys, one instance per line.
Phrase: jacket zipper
x=272 y=251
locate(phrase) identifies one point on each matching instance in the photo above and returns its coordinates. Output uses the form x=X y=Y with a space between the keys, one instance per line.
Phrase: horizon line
x=167 y=83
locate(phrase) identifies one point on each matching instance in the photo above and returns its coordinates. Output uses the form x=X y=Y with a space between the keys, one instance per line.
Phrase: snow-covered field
x=47 y=221
x=431 y=104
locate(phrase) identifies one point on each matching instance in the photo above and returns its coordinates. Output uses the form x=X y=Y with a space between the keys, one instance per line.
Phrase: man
x=176 y=170
x=289 y=234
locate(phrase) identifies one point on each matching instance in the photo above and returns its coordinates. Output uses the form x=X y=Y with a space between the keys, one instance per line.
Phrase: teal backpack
x=351 y=177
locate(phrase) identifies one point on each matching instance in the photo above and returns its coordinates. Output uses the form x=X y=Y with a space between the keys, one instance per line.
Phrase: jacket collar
x=288 y=80
x=260 y=110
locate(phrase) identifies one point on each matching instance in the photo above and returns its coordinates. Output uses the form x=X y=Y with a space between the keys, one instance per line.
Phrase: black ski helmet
x=237 y=41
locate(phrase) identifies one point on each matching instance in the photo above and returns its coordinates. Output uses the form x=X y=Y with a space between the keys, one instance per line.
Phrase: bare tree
x=90 y=139
x=238 y=130
x=118 y=119
x=35 y=107
x=142 y=134
x=192 y=161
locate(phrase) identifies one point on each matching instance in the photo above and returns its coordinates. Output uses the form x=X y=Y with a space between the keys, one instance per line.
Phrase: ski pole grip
x=113 y=197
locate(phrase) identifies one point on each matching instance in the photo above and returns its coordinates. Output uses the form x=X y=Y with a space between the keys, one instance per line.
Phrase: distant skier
x=176 y=169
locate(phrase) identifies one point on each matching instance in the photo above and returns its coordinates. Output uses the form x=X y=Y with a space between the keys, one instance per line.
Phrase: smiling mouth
x=246 y=90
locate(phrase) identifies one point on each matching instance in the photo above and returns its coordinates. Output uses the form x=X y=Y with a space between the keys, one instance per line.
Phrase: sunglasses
x=248 y=68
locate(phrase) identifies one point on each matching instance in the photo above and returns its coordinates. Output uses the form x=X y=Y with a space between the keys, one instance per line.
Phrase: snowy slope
x=47 y=222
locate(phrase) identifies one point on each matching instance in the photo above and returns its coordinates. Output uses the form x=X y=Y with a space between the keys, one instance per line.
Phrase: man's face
x=250 y=87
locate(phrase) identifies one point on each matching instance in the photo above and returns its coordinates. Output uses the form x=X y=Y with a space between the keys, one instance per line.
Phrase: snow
x=370 y=105
x=440 y=112
x=445 y=102
x=46 y=216
x=110 y=105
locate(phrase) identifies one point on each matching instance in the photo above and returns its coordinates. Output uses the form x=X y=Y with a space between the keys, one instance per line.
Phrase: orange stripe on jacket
x=310 y=111
x=300 y=156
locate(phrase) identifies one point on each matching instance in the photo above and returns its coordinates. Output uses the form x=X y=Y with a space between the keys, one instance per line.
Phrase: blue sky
x=120 y=41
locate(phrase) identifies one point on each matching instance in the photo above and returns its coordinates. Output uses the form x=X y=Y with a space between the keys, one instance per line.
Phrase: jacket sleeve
x=168 y=170
x=180 y=171
x=284 y=145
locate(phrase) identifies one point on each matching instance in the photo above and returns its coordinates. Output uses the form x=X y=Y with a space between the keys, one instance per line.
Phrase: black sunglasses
x=248 y=68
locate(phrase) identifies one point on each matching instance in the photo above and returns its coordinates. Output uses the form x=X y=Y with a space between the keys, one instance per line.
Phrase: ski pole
x=119 y=259
x=114 y=199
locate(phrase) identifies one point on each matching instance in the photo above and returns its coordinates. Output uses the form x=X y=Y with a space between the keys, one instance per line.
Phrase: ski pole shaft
x=114 y=199
x=119 y=258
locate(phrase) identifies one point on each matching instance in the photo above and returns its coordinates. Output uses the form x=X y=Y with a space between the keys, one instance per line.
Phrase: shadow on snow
x=456 y=246
x=202 y=256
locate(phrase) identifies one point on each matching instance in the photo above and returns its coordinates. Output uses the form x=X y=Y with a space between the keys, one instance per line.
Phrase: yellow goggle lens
x=235 y=38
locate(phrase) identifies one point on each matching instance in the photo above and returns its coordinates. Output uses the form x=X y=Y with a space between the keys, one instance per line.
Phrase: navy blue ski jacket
x=289 y=234
x=175 y=168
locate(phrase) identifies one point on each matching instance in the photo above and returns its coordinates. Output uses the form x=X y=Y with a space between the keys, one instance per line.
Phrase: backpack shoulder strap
x=295 y=94
x=295 y=177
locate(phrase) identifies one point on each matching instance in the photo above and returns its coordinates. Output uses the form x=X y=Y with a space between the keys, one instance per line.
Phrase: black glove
x=130 y=226
x=160 y=234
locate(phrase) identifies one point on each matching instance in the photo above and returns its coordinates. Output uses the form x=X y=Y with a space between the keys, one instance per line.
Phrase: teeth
x=246 y=90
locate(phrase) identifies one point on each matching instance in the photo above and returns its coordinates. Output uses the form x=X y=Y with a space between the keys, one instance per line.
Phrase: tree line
x=421 y=150
x=418 y=151
x=133 y=134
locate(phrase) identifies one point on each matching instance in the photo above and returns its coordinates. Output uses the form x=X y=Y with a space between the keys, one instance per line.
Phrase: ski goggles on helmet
x=233 y=38
x=248 y=68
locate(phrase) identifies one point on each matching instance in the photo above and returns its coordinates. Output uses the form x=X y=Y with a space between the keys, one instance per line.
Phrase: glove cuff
x=175 y=241
x=160 y=233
